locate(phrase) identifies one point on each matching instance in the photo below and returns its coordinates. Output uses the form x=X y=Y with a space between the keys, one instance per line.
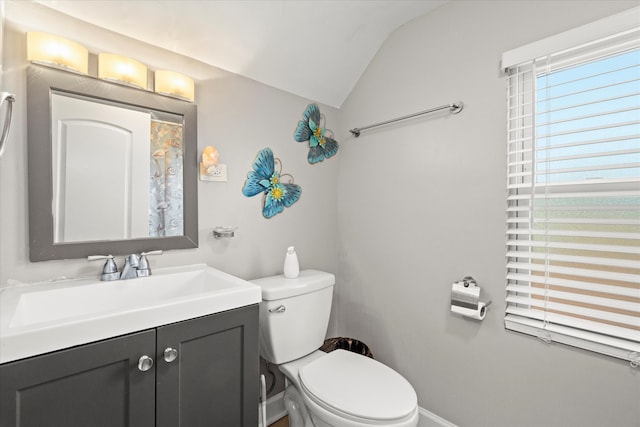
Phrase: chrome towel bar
x=454 y=108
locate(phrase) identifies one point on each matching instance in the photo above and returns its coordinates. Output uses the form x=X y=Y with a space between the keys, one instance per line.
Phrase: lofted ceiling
x=317 y=49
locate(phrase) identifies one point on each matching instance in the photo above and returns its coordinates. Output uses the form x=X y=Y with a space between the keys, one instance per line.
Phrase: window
x=573 y=204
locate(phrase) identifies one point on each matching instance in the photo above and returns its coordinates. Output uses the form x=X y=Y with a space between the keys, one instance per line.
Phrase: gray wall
x=422 y=204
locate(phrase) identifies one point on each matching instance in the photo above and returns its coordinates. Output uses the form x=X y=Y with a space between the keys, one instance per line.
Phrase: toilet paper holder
x=468 y=281
x=465 y=299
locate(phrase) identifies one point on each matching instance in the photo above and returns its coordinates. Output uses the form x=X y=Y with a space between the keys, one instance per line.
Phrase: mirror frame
x=40 y=82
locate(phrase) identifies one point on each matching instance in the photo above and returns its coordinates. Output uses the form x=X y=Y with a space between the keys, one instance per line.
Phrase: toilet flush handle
x=278 y=309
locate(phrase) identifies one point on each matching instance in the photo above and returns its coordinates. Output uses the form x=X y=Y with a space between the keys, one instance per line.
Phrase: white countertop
x=42 y=317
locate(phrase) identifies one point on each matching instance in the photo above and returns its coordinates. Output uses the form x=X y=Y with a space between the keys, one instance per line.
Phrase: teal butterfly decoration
x=265 y=179
x=321 y=145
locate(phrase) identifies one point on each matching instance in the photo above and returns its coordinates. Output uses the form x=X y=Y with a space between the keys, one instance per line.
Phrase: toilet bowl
x=344 y=389
x=336 y=389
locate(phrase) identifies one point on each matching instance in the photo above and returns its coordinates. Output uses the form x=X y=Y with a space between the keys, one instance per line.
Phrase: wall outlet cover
x=217 y=173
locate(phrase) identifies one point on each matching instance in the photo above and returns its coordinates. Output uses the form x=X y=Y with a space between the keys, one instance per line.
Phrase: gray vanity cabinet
x=96 y=385
x=214 y=377
x=211 y=379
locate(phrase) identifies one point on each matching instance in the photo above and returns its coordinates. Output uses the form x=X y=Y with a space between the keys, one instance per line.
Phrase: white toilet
x=336 y=389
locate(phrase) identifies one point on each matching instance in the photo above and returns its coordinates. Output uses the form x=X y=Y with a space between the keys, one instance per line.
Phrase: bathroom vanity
x=177 y=348
x=194 y=369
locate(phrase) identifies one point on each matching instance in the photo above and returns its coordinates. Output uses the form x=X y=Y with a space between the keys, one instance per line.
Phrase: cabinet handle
x=145 y=363
x=170 y=354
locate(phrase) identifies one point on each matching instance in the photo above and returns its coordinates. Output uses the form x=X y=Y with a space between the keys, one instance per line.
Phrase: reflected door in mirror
x=101 y=170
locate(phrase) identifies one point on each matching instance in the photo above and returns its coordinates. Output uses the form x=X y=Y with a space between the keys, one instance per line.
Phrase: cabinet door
x=93 y=385
x=213 y=381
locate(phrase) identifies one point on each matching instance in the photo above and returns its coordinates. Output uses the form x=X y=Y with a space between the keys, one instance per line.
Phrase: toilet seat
x=357 y=387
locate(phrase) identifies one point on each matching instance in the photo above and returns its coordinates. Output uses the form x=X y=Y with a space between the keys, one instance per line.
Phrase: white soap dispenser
x=291 y=267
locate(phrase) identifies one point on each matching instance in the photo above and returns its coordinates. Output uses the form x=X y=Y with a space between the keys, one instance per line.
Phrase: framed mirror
x=112 y=169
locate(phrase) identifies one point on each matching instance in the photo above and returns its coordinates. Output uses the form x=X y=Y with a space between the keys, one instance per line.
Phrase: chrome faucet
x=110 y=269
x=130 y=267
x=137 y=266
x=134 y=266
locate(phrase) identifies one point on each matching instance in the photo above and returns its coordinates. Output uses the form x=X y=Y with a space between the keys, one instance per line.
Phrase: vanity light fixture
x=52 y=50
x=174 y=84
x=122 y=70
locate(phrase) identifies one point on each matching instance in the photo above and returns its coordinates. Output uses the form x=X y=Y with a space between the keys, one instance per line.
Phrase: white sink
x=48 y=316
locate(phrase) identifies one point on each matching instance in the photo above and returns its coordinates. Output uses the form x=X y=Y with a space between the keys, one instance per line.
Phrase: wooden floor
x=282 y=422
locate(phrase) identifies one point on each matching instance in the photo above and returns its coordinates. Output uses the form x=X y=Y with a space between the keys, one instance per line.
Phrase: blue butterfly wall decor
x=265 y=179
x=321 y=145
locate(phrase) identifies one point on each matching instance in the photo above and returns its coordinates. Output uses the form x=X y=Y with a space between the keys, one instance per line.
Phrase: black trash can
x=348 y=344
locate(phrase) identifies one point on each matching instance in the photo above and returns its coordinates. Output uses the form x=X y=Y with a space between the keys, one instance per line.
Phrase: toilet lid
x=359 y=386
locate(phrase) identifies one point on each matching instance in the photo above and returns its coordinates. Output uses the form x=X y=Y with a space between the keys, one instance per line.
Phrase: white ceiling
x=317 y=49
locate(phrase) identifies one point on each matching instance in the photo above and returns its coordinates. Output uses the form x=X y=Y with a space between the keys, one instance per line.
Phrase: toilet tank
x=294 y=314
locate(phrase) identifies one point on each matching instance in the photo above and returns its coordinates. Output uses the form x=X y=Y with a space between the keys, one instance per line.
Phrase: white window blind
x=573 y=207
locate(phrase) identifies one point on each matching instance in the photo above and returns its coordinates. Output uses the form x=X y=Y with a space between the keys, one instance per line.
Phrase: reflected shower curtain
x=166 y=189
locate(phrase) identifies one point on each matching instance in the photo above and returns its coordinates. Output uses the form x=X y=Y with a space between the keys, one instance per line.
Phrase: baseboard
x=429 y=419
x=276 y=410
